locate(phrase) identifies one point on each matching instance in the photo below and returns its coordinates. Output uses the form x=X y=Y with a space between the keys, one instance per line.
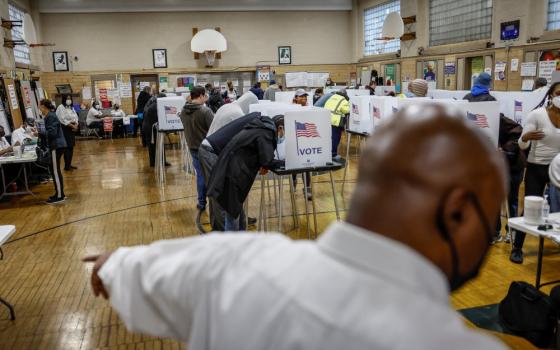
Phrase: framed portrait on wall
x=60 y=61
x=160 y=58
x=284 y=55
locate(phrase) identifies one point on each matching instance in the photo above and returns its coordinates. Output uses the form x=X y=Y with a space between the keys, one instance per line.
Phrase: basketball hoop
x=210 y=57
x=209 y=42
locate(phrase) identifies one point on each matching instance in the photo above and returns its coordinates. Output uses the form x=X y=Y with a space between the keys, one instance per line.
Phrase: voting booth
x=288 y=96
x=308 y=138
x=272 y=109
x=168 y=109
x=361 y=118
x=382 y=108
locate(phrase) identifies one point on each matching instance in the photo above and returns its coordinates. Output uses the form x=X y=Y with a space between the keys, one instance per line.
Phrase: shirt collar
x=382 y=256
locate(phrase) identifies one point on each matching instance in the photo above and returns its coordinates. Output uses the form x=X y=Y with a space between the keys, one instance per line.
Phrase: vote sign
x=168 y=109
x=308 y=138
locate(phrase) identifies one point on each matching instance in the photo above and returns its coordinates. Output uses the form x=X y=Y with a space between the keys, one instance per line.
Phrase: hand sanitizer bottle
x=545 y=209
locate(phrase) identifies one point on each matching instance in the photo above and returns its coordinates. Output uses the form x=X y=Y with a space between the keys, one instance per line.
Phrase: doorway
x=139 y=81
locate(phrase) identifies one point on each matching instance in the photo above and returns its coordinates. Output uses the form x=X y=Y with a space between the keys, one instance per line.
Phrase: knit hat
x=418 y=87
x=483 y=79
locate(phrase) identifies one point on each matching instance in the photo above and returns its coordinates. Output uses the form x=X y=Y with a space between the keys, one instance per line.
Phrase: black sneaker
x=55 y=200
x=251 y=221
x=516 y=256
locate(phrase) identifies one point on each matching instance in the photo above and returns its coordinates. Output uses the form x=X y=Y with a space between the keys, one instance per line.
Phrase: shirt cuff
x=107 y=271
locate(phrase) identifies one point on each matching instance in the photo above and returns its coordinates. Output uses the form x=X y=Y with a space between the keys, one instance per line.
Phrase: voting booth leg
x=275 y=193
x=306 y=208
x=160 y=159
x=293 y=200
x=334 y=197
x=539 y=262
x=4 y=189
x=280 y=188
x=348 y=139
x=312 y=202
x=10 y=307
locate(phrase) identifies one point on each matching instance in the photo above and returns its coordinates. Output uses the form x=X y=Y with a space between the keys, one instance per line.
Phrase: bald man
x=419 y=225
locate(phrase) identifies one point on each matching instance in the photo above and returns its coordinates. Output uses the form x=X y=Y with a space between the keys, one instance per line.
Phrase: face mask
x=556 y=101
x=457 y=280
x=69 y=103
x=281 y=139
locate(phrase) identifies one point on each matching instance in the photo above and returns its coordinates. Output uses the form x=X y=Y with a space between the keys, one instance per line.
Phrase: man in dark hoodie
x=256 y=89
x=480 y=92
x=196 y=119
x=151 y=118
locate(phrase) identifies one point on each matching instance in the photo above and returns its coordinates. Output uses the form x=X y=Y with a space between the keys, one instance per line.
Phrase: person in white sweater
x=541 y=135
x=69 y=120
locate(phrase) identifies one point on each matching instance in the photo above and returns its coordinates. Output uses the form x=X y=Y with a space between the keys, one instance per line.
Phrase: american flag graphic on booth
x=355 y=109
x=518 y=106
x=376 y=113
x=170 y=110
x=306 y=130
x=395 y=109
x=479 y=120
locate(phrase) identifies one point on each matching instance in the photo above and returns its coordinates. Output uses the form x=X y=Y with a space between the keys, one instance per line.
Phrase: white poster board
x=317 y=79
x=4 y=122
x=382 y=108
x=546 y=68
x=125 y=89
x=528 y=69
x=383 y=90
x=308 y=138
x=296 y=79
x=361 y=118
x=168 y=109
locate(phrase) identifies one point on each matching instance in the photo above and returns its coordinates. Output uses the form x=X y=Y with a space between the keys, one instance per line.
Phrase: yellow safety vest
x=338 y=106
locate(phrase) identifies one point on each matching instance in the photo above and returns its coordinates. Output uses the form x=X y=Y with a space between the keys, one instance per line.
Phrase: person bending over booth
x=340 y=107
x=196 y=119
x=393 y=264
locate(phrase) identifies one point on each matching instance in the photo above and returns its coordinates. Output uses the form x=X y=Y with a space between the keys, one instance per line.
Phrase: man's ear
x=454 y=208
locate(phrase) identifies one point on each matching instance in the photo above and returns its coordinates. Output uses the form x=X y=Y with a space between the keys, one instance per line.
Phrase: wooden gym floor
x=113 y=201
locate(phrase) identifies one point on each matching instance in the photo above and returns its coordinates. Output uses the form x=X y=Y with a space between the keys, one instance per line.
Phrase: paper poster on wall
x=499 y=71
x=86 y=93
x=29 y=112
x=188 y=81
x=168 y=109
x=296 y=79
x=429 y=74
x=514 y=64
x=527 y=84
x=125 y=88
x=546 y=68
x=308 y=138
x=13 y=97
x=449 y=68
x=529 y=69
x=488 y=70
x=163 y=83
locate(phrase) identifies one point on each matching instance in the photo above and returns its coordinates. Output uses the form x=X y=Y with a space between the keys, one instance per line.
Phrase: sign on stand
x=308 y=138
x=168 y=109
x=361 y=117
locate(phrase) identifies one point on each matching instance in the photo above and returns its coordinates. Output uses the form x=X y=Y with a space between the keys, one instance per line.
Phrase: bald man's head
x=428 y=171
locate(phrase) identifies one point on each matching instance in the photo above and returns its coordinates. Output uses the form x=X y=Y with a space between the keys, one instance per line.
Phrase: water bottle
x=545 y=209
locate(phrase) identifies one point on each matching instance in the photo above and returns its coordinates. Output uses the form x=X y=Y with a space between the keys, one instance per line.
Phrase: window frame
x=22 y=53
x=374 y=17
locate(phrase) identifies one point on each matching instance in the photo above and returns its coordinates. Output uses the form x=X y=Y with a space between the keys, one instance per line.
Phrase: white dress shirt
x=66 y=115
x=20 y=134
x=352 y=289
x=93 y=116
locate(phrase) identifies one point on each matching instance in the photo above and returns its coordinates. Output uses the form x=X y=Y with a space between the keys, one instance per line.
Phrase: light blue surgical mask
x=281 y=139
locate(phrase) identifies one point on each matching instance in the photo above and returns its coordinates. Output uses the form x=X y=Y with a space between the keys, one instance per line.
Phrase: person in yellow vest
x=339 y=106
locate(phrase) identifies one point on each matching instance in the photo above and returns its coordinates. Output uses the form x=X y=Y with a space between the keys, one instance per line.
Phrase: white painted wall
x=124 y=41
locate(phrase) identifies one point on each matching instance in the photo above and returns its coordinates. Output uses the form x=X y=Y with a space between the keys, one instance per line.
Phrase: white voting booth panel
x=361 y=118
x=384 y=90
x=382 y=108
x=308 y=138
x=168 y=109
x=273 y=108
x=357 y=92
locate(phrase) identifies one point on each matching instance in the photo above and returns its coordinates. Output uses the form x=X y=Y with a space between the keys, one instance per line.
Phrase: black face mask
x=457 y=280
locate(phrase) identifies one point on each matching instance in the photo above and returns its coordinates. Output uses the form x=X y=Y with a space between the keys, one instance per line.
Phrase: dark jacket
x=510 y=132
x=215 y=101
x=240 y=161
x=323 y=99
x=150 y=118
x=479 y=98
x=225 y=134
x=258 y=92
x=55 y=135
x=196 y=120
x=143 y=98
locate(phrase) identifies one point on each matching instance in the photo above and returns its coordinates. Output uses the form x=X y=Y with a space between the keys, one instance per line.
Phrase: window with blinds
x=453 y=21
x=373 y=26
x=553 y=22
x=21 y=52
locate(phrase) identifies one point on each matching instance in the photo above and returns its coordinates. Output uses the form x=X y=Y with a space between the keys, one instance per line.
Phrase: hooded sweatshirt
x=230 y=112
x=196 y=119
x=270 y=93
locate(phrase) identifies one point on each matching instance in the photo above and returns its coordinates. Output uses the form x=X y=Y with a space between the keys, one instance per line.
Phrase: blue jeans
x=554 y=198
x=235 y=224
x=336 y=135
x=200 y=185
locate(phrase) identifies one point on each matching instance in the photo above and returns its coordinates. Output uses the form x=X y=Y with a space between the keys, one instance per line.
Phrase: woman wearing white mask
x=69 y=120
x=542 y=134
x=93 y=119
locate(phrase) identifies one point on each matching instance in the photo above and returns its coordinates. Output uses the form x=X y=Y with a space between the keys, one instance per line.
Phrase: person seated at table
x=25 y=133
x=381 y=279
x=5 y=146
x=118 y=115
x=94 y=118
x=240 y=161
